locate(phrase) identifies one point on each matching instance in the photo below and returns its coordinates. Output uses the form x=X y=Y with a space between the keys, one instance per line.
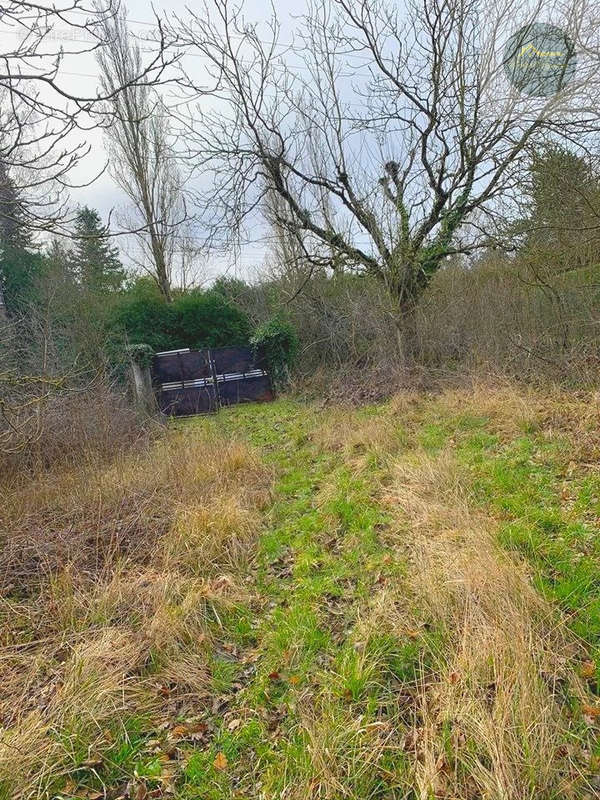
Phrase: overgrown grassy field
x=294 y=601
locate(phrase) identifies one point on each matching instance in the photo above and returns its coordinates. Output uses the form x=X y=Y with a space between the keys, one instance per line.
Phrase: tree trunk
x=406 y=335
x=165 y=288
x=160 y=265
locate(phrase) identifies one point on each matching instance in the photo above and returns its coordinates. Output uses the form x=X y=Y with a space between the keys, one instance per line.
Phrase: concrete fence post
x=142 y=383
x=140 y=358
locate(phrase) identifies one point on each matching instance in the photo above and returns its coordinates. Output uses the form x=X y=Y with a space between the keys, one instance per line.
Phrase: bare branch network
x=382 y=140
x=43 y=122
x=396 y=142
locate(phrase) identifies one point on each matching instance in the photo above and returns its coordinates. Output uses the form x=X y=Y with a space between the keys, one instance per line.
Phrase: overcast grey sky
x=104 y=195
x=79 y=75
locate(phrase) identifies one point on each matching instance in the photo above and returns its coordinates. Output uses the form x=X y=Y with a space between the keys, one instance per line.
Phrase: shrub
x=207 y=319
x=195 y=320
x=512 y=316
x=54 y=421
x=277 y=342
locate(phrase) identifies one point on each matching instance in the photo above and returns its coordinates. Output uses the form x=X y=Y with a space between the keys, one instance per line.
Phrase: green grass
x=302 y=702
x=318 y=561
x=522 y=481
x=123 y=756
x=321 y=553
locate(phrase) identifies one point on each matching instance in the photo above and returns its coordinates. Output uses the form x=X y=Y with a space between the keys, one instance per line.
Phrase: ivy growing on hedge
x=140 y=353
x=277 y=342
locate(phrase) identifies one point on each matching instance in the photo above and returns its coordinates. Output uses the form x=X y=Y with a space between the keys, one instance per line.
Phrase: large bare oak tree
x=392 y=137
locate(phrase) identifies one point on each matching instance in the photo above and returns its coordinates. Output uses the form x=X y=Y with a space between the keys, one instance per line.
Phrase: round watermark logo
x=540 y=59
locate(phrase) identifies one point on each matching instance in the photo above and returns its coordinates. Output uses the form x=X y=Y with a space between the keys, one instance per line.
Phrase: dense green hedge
x=195 y=320
x=276 y=339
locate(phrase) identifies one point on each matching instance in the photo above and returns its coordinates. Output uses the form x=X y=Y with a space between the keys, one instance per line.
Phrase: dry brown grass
x=92 y=688
x=498 y=696
x=108 y=570
x=355 y=434
x=513 y=408
x=114 y=572
x=90 y=516
x=218 y=532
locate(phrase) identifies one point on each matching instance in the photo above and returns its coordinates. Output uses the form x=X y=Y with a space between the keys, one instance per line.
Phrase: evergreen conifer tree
x=20 y=264
x=95 y=261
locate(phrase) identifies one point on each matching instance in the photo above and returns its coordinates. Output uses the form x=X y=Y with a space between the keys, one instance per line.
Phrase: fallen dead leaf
x=198 y=731
x=587 y=669
x=222 y=583
x=141 y=792
x=153 y=744
x=220 y=761
x=590 y=714
x=591 y=711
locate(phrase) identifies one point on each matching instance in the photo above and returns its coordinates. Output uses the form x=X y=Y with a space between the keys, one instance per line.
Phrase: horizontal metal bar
x=200 y=383
x=236 y=376
x=172 y=352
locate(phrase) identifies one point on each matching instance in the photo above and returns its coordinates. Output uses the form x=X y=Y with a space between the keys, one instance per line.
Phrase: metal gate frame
x=189 y=382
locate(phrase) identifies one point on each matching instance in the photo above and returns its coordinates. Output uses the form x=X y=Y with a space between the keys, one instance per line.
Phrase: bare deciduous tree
x=394 y=139
x=43 y=122
x=141 y=155
x=189 y=259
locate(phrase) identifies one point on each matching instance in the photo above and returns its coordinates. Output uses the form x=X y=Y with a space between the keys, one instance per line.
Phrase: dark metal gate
x=198 y=381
